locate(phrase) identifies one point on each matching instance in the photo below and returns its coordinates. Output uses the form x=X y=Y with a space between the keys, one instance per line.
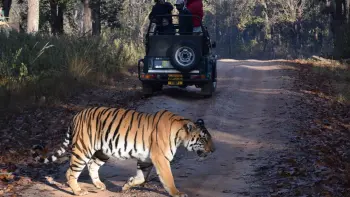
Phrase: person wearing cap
x=164 y=23
x=196 y=8
x=185 y=25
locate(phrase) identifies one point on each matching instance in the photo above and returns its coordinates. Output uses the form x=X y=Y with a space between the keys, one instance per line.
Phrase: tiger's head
x=199 y=138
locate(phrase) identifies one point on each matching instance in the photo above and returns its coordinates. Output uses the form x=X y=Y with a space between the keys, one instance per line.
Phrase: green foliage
x=53 y=66
x=111 y=12
x=280 y=28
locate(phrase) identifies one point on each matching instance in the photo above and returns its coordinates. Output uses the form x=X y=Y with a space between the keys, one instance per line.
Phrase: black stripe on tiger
x=128 y=130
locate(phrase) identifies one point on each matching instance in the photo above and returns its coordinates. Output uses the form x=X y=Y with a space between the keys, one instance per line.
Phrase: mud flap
x=207 y=89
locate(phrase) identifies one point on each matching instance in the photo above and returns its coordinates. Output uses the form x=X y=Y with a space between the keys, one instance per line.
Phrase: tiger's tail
x=59 y=153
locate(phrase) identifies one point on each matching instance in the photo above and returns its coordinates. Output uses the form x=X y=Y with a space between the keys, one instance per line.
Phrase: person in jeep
x=179 y=60
x=196 y=8
x=185 y=25
x=164 y=24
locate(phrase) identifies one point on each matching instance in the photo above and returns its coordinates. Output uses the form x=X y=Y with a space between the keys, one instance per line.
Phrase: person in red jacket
x=196 y=9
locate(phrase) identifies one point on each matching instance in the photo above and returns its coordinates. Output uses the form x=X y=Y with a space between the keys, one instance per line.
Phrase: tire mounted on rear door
x=184 y=56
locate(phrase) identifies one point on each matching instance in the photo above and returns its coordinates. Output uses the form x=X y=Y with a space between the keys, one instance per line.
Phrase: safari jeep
x=178 y=59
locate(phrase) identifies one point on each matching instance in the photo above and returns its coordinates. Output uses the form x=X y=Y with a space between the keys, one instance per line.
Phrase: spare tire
x=184 y=56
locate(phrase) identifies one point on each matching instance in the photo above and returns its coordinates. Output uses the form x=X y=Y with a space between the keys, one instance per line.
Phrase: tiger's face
x=199 y=139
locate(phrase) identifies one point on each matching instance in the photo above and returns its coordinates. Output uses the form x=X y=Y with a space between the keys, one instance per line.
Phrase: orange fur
x=98 y=133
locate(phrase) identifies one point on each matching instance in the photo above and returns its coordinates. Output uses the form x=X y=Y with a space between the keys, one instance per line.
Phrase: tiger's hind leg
x=77 y=163
x=97 y=160
x=142 y=173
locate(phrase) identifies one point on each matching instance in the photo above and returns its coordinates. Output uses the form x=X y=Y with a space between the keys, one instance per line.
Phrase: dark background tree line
x=280 y=28
x=85 y=17
x=242 y=28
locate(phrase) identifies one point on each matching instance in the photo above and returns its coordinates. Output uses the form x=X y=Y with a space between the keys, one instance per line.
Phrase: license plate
x=175 y=79
x=175 y=83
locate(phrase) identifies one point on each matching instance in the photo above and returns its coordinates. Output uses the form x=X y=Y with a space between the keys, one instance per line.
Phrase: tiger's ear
x=200 y=122
x=189 y=126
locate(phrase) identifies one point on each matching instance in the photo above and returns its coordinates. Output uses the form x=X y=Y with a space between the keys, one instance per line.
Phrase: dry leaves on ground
x=46 y=125
x=317 y=161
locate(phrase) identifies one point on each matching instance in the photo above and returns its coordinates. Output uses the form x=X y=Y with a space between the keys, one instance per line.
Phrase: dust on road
x=248 y=119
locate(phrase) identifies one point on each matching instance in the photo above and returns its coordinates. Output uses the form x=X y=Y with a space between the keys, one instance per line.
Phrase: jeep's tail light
x=198 y=77
x=149 y=76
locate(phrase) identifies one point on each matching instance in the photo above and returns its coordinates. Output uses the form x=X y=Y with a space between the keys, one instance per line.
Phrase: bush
x=33 y=66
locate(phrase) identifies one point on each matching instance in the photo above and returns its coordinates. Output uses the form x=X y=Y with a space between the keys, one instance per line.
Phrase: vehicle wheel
x=184 y=56
x=147 y=89
x=207 y=89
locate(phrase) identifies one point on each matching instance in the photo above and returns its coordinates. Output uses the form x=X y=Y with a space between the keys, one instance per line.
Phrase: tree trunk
x=7 y=7
x=217 y=30
x=266 y=28
x=57 y=10
x=33 y=16
x=14 y=18
x=96 y=21
x=346 y=10
x=87 y=27
x=337 y=27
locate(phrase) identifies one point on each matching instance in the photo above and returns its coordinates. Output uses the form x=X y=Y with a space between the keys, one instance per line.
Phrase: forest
x=280 y=28
x=281 y=113
x=88 y=41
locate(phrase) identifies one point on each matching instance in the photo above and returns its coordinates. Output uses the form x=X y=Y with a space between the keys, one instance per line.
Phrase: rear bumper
x=163 y=76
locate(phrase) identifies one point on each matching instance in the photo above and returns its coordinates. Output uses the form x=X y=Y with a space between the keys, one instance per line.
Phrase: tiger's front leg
x=142 y=173
x=163 y=168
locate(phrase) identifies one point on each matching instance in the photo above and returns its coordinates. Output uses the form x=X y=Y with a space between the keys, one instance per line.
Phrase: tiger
x=98 y=133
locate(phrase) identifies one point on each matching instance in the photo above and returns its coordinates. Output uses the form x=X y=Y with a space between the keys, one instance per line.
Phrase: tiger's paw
x=81 y=192
x=126 y=187
x=100 y=185
x=133 y=181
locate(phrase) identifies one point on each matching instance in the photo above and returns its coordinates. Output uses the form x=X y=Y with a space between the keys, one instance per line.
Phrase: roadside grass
x=317 y=161
x=331 y=77
x=44 y=81
x=37 y=69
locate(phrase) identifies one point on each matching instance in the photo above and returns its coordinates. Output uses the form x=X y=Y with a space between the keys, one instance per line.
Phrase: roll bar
x=186 y=15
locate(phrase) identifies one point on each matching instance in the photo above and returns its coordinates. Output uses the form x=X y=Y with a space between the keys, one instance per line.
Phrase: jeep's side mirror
x=213 y=45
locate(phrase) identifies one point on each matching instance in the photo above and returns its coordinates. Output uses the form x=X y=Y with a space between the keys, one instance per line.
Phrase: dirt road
x=248 y=118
